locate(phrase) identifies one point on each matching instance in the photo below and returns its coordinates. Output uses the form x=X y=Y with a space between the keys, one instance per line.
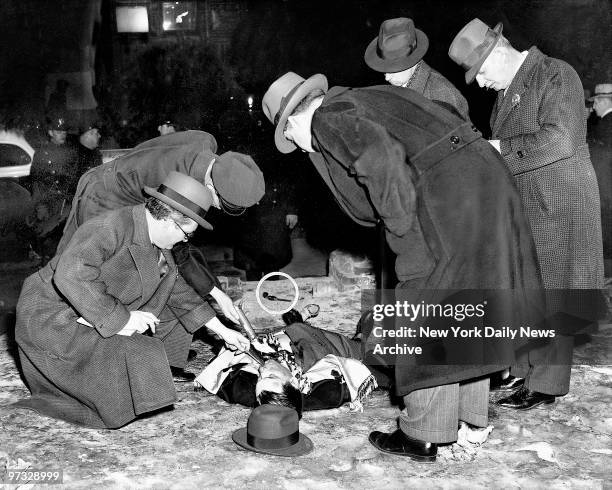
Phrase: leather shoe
x=511 y=383
x=525 y=399
x=179 y=375
x=400 y=444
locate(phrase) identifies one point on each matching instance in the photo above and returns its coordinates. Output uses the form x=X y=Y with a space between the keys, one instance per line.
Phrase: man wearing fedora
x=600 y=147
x=99 y=327
x=398 y=53
x=234 y=180
x=539 y=128
x=450 y=211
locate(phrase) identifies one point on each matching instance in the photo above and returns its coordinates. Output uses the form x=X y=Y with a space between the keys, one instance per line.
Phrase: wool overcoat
x=449 y=205
x=90 y=375
x=434 y=86
x=542 y=131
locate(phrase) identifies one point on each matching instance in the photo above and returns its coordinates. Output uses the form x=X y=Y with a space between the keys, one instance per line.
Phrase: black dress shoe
x=179 y=375
x=525 y=399
x=511 y=383
x=400 y=444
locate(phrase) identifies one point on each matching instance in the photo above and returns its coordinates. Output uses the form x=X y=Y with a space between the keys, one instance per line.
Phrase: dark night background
x=201 y=78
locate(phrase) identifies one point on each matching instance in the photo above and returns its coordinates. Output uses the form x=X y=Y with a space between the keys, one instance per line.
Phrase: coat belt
x=449 y=143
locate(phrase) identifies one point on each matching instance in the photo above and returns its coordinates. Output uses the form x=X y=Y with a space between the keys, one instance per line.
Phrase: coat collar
x=419 y=79
x=520 y=83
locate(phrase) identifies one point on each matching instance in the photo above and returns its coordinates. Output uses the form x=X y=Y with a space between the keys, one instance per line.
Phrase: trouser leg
x=551 y=367
x=433 y=414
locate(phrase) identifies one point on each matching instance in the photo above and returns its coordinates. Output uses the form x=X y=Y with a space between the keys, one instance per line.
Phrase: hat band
x=278 y=443
x=479 y=50
x=182 y=200
x=284 y=101
x=602 y=93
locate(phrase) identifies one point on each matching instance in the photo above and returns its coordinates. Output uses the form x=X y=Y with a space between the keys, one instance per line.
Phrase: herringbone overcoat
x=542 y=131
x=434 y=86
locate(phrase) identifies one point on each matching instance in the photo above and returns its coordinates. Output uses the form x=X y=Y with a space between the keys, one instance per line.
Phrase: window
x=179 y=16
x=132 y=19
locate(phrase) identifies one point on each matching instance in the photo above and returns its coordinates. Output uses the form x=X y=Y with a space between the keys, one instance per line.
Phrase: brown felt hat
x=399 y=46
x=472 y=45
x=273 y=429
x=282 y=97
x=185 y=194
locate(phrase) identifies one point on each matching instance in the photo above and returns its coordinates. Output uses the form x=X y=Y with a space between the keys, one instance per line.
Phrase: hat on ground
x=282 y=97
x=602 y=90
x=472 y=45
x=185 y=194
x=238 y=180
x=273 y=429
x=399 y=46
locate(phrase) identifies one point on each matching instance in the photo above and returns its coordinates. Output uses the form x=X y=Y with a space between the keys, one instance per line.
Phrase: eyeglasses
x=187 y=235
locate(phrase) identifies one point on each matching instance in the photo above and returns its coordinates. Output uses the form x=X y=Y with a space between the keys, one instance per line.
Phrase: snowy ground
x=566 y=445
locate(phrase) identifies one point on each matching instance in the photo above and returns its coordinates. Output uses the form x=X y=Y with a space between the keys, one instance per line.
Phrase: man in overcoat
x=600 y=147
x=451 y=213
x=83 y=320
x=234 y=180
x=398 y=53
x=539 y=128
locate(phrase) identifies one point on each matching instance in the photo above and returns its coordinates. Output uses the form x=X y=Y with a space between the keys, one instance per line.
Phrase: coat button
x=519 y=154
x=475 y=129
x=455 y=140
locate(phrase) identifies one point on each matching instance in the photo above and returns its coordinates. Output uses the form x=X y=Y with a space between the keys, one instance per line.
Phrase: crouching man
x=100 y=326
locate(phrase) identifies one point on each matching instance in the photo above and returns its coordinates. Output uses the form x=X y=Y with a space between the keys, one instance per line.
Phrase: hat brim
x=316 y=81
x=303 y=446
x=374 y=61
x=179 y=207
x=470 y=75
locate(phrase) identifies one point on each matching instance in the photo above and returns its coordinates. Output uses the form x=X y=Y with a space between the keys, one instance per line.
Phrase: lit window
x=179 y=16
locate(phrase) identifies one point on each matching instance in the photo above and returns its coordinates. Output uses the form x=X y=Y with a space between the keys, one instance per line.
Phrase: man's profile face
x=400 y=78
x=601 y=105
x=494 y=73
x=169 y=232
x=272 y=376
x=208 y=182
x=297 y=131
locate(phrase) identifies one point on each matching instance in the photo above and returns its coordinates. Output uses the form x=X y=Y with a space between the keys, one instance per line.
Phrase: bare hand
x=139 y=322
x=234 y=340
x=291 y=220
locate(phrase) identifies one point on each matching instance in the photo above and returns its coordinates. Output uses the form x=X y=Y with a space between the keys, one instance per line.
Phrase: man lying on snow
x=306 y=368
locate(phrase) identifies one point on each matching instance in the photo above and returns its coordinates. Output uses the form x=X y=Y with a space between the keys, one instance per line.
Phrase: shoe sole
x=524 y=409
x=415 y=457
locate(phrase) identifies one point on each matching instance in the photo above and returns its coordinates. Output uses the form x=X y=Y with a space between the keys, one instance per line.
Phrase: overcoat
x=542 y=131
x=434 y=86
x=449 y=205
x=89 y=375
x=120 y=182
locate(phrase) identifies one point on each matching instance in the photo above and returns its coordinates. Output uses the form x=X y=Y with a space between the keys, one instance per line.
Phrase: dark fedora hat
x=273 y=429
x=185 y=194
x=472 y=45
x=399 y=46
x=282 y=98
